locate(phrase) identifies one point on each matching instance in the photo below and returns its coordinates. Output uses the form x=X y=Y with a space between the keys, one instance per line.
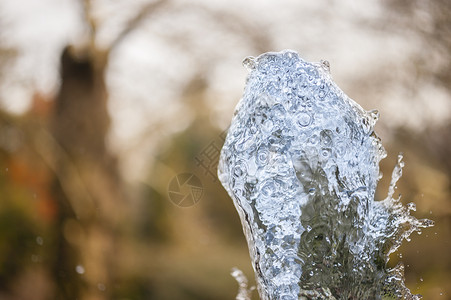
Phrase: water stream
x=301 y=163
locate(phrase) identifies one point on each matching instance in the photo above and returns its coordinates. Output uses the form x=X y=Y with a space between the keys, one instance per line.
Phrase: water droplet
x=39 y=241
x=374 y=116
x=411 y=206
x=325 y=65
x=249 y=63
x=80 y=269
x=425 y=223
x=101 y=287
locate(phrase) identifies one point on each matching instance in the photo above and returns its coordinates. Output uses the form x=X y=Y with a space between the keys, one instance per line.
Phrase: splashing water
x=301 y=163
x=244 y=291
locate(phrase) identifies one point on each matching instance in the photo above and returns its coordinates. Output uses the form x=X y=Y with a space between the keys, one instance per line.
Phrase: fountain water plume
x=301 y=163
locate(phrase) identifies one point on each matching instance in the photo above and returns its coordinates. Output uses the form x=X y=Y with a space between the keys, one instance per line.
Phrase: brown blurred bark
x=87 y=183
x=87 y=186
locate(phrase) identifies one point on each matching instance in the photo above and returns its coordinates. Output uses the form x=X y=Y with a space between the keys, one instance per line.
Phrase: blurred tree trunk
x=88 y=187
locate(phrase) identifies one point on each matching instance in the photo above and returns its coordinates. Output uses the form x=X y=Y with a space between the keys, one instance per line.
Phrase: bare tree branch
x=91 y=22
x=134 y=22
x=258 y=38
x=255 y=36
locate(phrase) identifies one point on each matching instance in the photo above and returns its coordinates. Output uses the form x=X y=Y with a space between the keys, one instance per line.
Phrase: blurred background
x=112 y=114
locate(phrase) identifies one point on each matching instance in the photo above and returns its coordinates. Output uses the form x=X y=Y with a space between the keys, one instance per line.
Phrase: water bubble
x=312 y=73
x=262 y=156
x=326 y=137
x=239 y=170
x=325 y=152
x=291 y=58
x=272 y=187
x=340 y=148
x=268 y=126
x=39 y=241
x=101 y=287
x=314 y=139
x=304 y=119
x=268 y=188
x=266 y=64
